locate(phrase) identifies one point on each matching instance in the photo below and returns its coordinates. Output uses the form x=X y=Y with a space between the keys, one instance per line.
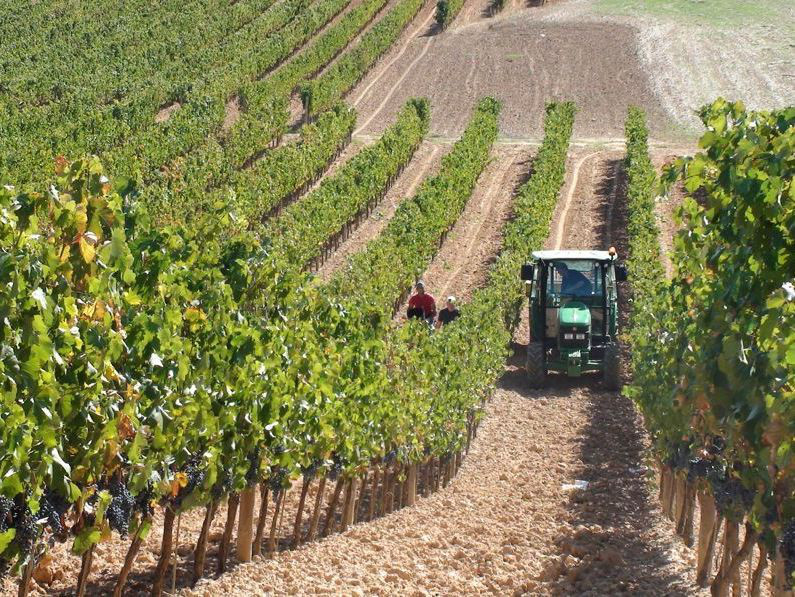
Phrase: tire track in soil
x=396 y=85
x=461 y=265
x=424 y=164
x=403 y=44
x=572 y=184
x=613 y=537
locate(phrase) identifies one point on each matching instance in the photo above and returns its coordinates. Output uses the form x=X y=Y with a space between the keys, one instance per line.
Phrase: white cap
x=451 y=299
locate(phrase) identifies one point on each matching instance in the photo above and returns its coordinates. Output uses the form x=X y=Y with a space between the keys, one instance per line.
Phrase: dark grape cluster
x=144 y=499
x=5 y=511
x=732 y=498
x=390 y=457
x=195 y=474
x=278 y=473
x=703 y=468
x=52 y=508
x=252 y=474
x=121 y=507
x=310 y=471
x=679 y=455
x=5 y=522
x=716 y=445
x=336 y=467
x=222 y=486
x=25 y=525
x=787 y=547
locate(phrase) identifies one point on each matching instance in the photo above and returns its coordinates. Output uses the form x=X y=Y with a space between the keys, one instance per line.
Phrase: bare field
x=601 y=56
x=525 y=64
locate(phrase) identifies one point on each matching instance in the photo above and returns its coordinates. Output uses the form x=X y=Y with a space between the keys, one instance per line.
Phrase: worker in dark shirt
x=573 y=282
x=422 y=305
x=449 y=313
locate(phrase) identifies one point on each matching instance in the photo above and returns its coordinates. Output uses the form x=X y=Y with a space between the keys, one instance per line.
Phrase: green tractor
x=573 y=314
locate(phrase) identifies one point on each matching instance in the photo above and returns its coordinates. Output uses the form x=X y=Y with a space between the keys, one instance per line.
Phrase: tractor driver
x=422 y=305
x=573 y=282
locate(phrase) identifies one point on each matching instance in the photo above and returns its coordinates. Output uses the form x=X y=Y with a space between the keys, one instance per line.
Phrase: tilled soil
x=584 y=213
x=686 y=61
x=424 y=164
x=461 y=265
x=524 y=62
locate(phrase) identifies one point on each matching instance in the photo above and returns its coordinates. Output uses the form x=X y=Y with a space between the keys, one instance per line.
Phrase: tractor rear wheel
x=536 y=369
x=612 y=367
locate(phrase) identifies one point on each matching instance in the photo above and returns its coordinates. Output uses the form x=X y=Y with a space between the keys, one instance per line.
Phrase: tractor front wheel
x=612 y=368
x=536 y=369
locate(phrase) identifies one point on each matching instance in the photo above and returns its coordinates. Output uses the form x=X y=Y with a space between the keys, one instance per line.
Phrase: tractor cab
x=573 y=314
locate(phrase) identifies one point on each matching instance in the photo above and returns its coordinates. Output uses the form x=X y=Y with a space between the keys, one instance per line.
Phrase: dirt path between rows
x=664 y=211
x=612 y=537
x=507 y=524
x=461 y=265
x=404 y=43
x=423 y=164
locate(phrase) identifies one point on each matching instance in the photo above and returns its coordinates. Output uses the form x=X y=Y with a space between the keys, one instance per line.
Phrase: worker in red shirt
x=422 y=305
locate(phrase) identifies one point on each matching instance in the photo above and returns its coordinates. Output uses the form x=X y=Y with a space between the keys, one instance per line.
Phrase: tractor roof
x=571 y=254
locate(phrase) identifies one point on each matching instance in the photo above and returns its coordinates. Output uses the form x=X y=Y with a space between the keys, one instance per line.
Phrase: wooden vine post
x=85 y=571
x=666 y=491
x=729 y=574
x=245 y=525
x=262 y=518
x=358 y=515
x=27 y=574
x=328 y=525
x=349 y=504
x=277 y=507
x=373 y=493
x=781 y=586
x=129 y=559
x=707 y=536
x=299 y=515
x=761 y=565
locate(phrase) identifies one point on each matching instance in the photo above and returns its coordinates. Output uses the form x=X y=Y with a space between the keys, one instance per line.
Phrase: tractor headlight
x=580 y=336
x=568 y=336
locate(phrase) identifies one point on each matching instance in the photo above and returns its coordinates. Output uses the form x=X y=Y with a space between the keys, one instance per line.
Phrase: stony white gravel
x=505 y=525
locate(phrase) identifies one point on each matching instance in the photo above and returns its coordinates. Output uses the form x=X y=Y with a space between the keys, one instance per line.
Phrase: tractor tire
x=536 y=369
x=612 y=368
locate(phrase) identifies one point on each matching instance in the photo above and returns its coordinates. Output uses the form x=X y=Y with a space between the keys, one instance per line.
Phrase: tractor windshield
x=574 y=278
